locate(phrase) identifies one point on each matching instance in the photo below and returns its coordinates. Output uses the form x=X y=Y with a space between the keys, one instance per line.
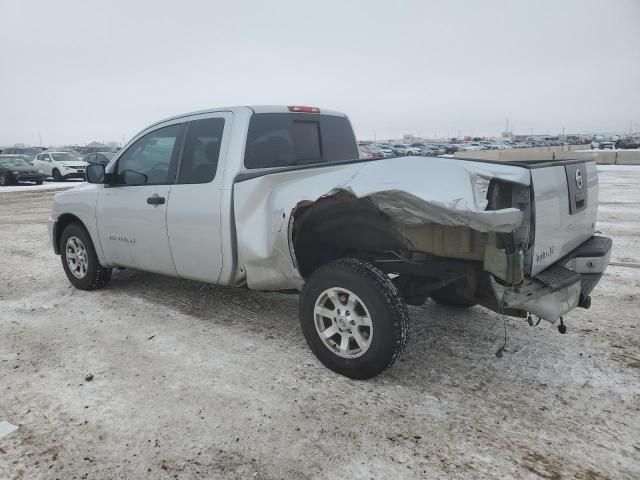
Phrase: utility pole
x=40 y=139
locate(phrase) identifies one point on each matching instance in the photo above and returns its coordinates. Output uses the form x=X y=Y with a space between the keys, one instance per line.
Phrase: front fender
x=77 y=204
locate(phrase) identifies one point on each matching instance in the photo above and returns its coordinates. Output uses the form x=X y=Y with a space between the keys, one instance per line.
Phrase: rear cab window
x=199 y=161
x=288 y=139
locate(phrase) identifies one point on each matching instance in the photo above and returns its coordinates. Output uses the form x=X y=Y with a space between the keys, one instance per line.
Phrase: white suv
x=60 y=165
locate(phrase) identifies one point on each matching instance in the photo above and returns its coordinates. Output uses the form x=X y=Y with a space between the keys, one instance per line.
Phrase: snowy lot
x=195 y=381
x=30 y=187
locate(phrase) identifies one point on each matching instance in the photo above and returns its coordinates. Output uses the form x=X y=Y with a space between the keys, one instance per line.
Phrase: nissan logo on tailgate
x=579 y=179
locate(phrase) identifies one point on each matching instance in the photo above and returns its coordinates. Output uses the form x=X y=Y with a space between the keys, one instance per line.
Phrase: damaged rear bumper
x=561 y=287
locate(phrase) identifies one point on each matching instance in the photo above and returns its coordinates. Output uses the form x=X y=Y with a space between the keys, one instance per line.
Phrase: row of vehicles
x=622 y=144
x=18 y=165
x=431 y=149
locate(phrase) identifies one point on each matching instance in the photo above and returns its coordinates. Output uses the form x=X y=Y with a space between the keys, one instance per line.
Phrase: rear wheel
x=80 y=261
x=56 y=175
x=353 y=318
x=38 y=182
x=5 y=180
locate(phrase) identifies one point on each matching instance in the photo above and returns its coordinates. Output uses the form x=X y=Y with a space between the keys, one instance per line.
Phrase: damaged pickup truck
x=276 y=198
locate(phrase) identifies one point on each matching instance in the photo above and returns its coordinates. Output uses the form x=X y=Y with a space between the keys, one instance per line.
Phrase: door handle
x=155 y=199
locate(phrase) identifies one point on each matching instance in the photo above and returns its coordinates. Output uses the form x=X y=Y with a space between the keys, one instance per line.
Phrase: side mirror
x=95 y=173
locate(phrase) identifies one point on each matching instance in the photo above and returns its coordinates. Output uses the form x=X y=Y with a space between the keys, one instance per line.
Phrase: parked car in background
x=437 y=149
x=428 y=151
x=15 y=169
x=400 y=150
x=99 y=157
x=60 y=165
x=384 y=150
x=26 y=157
x=413 y=150
x=32 y=151
x=451 y=148
x=365 y=153
x=627 y=143
x=602 y=145
x=71 y=151
x=387 y=150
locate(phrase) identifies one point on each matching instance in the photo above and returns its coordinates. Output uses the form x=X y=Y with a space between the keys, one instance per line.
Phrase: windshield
x=13 y=162
x=64 y=157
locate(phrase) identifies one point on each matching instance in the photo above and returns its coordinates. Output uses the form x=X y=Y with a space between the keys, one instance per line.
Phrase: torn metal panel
x=412 y=191
x=408 y=209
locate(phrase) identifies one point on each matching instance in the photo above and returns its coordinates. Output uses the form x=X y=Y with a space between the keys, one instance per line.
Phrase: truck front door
x=132 y=210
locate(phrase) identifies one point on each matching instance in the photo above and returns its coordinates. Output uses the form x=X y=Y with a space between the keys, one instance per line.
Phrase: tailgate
x=566 y=205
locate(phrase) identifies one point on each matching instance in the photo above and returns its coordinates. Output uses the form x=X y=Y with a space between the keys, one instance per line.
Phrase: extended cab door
x=131 y=211
x=193 y=215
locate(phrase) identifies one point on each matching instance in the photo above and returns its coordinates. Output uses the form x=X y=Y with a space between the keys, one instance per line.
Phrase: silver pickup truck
x=276 y=198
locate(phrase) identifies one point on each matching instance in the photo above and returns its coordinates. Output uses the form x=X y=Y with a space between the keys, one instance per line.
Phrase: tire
x=362 y=292
x=75 y=240
x=5 y=180
x=38 y=182
x=56 y=175
x=447 y=296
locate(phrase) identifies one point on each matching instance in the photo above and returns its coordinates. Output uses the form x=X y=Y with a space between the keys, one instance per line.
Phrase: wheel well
x=62 y=223
x=340 y=226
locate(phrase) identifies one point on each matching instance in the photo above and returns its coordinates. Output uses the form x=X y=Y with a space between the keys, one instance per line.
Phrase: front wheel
x=80 y=261
x=56 y=175
x=38 y=182
x=5 y=180
x=353 y=318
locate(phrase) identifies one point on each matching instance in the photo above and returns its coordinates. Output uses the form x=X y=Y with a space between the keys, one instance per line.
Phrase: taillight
x=303 y=109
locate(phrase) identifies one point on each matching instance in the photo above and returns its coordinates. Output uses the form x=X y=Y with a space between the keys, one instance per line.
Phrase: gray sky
x=76 y=71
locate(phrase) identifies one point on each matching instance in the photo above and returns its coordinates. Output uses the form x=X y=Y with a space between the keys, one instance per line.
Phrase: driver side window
x=148 y=160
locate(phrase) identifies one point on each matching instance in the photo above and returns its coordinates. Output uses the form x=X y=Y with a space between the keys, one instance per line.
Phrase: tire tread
x=387 y=290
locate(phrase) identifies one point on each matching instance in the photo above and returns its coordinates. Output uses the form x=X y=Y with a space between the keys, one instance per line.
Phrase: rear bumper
x=563 y=286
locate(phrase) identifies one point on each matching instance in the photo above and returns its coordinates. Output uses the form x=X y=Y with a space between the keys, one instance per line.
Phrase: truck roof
x=255 y=108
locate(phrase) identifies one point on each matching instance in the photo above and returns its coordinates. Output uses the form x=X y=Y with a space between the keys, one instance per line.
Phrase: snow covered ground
x=619 y=168
x=608 y=150
x=30 y=187
x=197 y=381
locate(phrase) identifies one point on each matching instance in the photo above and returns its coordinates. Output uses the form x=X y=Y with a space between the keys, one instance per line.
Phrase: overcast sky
x=77 y=71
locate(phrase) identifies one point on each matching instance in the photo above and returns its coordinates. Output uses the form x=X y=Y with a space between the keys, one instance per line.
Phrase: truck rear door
x=565 y=209
x=193 y=213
